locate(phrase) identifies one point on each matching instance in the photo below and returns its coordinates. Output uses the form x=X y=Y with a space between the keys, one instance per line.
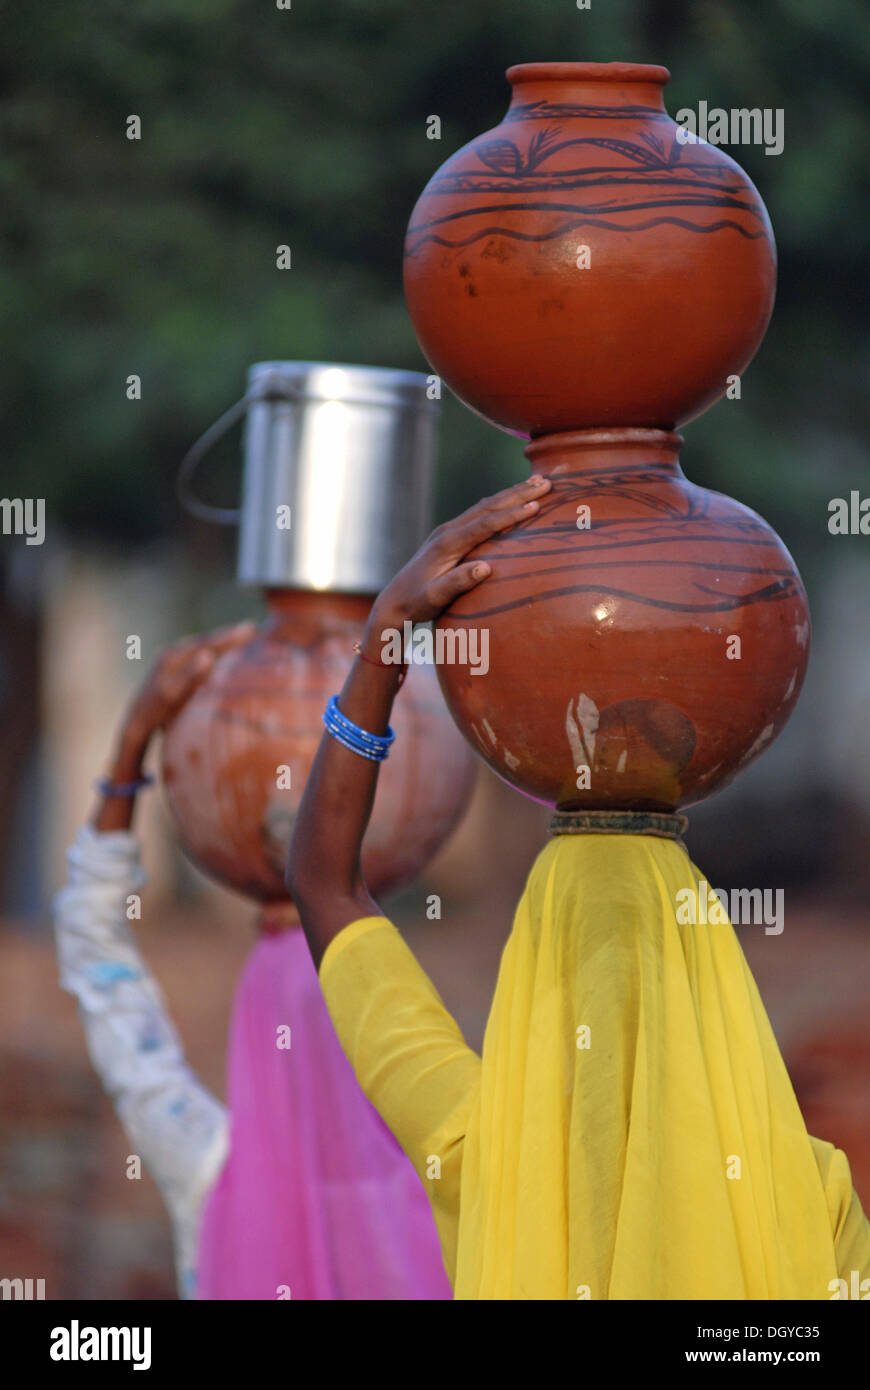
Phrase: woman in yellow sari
x=630 y=1131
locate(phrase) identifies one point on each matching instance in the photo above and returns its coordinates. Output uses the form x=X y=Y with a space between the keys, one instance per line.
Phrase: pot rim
x=587 y=72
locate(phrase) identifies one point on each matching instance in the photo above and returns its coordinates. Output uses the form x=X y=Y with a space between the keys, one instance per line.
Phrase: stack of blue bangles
x=373 y=746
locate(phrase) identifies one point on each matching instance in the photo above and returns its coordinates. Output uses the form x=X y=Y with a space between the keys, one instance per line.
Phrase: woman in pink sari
x=316 y=1199
x=295 y=1190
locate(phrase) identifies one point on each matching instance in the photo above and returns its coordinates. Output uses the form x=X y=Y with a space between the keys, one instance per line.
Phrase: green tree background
x=307 y=126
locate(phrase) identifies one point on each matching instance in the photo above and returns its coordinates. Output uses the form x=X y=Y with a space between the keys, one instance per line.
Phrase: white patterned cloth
x=175 y=1125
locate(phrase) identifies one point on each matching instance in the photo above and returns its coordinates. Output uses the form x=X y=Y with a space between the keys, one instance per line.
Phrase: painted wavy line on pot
x=633 y=541
x=580 y=178
x=609 y=205
x=715 y=567
x=420 y=236
x=555 y=552
x=770 y=593
x=583 y=222
x=686 y=200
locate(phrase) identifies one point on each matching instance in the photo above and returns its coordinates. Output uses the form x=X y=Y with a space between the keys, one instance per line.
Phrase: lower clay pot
x=647 y=638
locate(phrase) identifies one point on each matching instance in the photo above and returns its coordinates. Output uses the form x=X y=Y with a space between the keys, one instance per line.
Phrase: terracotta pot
x=261 y=709
x=612 y=648
x=680 y=279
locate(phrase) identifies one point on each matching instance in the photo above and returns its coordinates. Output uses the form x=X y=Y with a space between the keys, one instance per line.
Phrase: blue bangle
x=375 y=747
x=347 y=726
x=106 y=787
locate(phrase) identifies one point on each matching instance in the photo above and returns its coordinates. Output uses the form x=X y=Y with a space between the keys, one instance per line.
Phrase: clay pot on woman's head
x=236 y=758
x=581 y=266
x=647 y=639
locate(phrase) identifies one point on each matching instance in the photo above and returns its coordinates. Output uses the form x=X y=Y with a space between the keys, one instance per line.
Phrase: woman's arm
x=173 y=1122
x=176 y=675
x=323 y=867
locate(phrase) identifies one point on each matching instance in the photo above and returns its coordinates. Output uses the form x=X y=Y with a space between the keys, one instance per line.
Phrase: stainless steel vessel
x=338 y=471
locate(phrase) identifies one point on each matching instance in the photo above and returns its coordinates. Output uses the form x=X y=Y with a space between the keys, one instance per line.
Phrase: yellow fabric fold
x=631 y=1131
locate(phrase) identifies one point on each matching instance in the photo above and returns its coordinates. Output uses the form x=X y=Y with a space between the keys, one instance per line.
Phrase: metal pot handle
x=188 y=466
x=266 y=388
x=223 y=516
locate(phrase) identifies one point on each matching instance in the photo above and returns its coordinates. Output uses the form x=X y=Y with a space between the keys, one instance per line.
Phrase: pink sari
x=316 y=1199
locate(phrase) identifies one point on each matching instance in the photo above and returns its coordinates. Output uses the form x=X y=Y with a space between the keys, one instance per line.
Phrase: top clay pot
x=582 y=265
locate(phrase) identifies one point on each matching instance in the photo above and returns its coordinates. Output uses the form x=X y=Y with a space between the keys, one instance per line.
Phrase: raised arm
x=173 y=1122
x=178 y=672
x=323 y=867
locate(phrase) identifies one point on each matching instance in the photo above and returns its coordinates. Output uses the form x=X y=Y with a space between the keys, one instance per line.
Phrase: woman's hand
x=439 y=572
x=176 y=674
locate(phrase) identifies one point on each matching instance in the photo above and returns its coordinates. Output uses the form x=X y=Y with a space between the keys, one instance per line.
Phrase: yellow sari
x=630 y=1131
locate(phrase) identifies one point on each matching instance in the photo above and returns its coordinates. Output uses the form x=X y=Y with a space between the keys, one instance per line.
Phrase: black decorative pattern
x=660 y=178
x=685 y=517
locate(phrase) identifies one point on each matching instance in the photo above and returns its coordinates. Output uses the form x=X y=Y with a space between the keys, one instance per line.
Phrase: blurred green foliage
x=307 y=126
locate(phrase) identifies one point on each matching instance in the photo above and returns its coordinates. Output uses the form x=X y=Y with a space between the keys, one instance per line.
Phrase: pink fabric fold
x=316 y=1197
